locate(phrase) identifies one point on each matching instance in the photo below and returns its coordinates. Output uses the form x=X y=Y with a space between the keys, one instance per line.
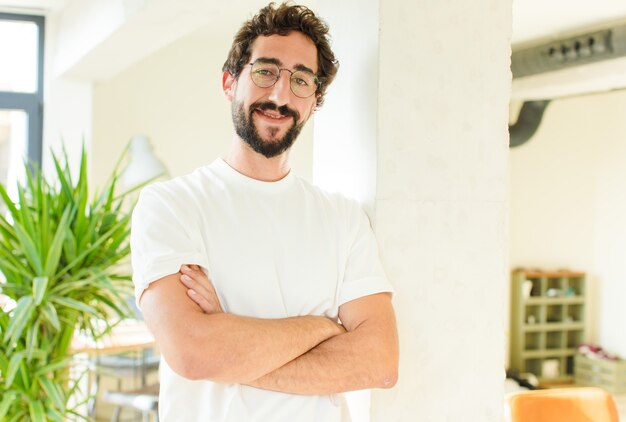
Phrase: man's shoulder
x=181 y=188
x=338 y=200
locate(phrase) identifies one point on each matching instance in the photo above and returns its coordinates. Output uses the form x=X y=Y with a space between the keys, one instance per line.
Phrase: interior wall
x=568 y=201
x=175 y=98
x=441 y=203
x=440 y=192
x=67 y=108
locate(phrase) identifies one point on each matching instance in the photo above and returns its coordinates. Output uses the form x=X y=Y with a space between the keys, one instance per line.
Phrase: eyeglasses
x=302 y=83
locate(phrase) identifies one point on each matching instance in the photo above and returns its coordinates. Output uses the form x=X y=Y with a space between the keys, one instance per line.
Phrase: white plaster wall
x=67 y=107
x=440 y=104
x=174 y=96
x=568 y=201
x=441 y=203
x=353 y=98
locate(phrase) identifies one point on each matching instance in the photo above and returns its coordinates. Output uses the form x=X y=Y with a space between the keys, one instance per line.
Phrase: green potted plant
x=60 y=256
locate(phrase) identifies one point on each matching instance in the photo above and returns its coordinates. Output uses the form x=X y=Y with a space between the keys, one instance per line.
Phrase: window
x=21 y=93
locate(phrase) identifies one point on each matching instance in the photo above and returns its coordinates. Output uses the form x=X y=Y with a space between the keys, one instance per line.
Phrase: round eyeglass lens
x=303 y=84
x=264 y=75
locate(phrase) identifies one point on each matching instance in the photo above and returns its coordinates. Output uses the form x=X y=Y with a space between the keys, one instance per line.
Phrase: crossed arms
x=301 y=355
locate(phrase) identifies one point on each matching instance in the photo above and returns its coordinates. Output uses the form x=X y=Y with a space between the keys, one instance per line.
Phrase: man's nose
x=281 y=89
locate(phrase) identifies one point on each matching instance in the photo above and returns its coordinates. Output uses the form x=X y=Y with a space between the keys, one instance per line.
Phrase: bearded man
x=265 y=294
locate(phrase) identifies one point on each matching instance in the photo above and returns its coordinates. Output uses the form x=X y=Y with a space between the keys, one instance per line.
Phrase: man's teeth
x=272 y=116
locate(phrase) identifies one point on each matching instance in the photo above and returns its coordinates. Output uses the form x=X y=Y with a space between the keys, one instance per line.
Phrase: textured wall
x=568 y=202
x=441 y=108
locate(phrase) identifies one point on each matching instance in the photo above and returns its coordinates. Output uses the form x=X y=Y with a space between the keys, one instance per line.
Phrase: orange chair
x=585 y=404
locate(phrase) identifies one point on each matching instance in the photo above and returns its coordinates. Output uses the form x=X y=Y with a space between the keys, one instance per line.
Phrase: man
x=243 y=270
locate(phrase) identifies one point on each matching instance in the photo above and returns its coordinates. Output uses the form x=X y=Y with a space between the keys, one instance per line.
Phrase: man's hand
x=200 y=289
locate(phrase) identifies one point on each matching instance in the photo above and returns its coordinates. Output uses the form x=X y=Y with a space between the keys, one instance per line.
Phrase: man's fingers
x=200 y=301
x=200 y=288
x=193 y=271
x=194 y=284
x=196 y=279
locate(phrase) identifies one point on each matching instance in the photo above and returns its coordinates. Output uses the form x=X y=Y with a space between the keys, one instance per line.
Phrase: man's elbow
x=195 y=361
x=188 y=366
x=388 y=370
x=196 y=366
x=388 y=376
x=390 y=380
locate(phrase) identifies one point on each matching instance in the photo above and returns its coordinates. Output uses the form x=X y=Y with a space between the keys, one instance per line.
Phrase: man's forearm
x=351 y=361
x=224 y=347
x=364 y=357
x=250 y=347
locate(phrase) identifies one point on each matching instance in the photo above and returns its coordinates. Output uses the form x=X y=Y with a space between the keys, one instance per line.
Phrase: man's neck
x=256 y=166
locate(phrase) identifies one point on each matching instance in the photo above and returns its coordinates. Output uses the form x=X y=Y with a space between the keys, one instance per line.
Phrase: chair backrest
x=583 y=404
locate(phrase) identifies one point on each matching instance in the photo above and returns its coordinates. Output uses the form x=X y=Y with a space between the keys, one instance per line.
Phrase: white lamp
x=143 y=165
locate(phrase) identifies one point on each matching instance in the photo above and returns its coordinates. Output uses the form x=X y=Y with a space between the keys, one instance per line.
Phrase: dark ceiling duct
x=584 y=48
x=527 y=123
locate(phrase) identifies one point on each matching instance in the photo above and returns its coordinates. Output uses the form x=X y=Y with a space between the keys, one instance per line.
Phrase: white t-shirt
x=272 y=250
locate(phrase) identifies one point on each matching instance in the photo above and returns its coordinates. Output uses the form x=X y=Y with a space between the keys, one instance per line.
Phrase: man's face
x=270 y=119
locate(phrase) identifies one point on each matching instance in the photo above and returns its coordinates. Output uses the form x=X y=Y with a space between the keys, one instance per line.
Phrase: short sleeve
x=364 y=274
x=162 y=239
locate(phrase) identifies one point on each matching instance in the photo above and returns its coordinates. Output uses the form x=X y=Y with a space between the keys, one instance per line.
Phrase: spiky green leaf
x=40 y=285
x=56 y=247
x=8 y=398
x=49 y=314
x=74 y=305
x=36 y=411
x=14 y=366
x=53 y=392
x=21 y=316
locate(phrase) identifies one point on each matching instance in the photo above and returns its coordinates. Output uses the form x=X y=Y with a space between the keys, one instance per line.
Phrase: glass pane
x=13 y=135
x=18 y=55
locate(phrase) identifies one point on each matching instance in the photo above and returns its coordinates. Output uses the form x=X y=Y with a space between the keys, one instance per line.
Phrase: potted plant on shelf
x=60 y=256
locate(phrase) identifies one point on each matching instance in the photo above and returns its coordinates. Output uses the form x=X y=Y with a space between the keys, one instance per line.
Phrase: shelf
x=547 y=322
x=550 y=274
x=550 y=326
x=547 y=354
x=558 y=381
x=561 y=300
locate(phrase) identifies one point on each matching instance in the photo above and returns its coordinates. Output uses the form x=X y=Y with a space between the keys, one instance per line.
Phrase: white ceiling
x=532 y=19
x=536 y=19
x=32 y=6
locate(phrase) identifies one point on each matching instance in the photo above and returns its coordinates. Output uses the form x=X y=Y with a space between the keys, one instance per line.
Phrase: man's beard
x=244 y=127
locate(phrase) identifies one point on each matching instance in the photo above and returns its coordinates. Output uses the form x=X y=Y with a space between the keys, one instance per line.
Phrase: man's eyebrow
x=278 y=63
x=271 y=60
x=302 y=67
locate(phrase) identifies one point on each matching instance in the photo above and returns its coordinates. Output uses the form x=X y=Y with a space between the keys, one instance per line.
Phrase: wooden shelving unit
x=547 y=322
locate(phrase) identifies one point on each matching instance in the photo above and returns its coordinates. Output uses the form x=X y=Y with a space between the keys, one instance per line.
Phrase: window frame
x=31 y=103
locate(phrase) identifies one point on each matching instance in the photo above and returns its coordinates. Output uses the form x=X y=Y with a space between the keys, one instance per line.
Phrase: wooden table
x=127 y=336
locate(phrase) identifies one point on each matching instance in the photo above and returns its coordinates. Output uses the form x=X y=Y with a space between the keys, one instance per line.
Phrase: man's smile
x=272 y=116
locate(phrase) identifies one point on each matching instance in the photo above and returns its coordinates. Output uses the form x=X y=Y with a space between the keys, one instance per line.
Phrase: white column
x=344 y=151
x=438 y=108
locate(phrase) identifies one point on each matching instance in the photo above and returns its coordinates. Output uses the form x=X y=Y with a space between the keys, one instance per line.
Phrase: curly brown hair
x=281 y=20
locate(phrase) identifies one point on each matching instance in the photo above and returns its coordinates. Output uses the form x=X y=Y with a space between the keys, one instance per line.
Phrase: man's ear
x=314 y=105
x=228 y=85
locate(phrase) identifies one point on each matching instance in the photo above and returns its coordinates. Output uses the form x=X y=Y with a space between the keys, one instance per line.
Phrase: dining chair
x=145 y=400
x=135 y=366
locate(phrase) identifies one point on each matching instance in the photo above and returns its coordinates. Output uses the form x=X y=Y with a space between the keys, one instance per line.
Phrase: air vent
x=577 y=50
